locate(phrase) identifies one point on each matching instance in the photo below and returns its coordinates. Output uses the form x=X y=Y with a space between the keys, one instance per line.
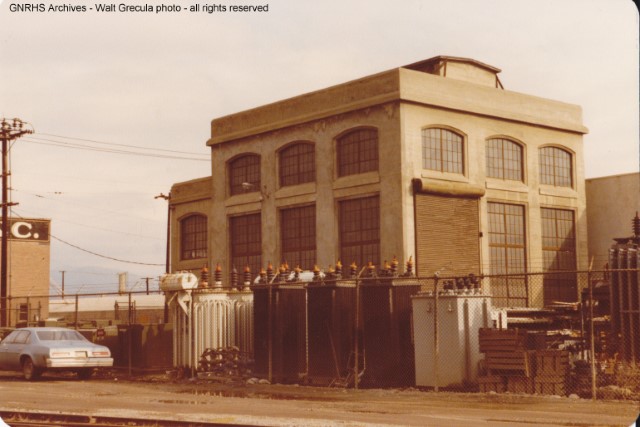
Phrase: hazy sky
x=156 y=80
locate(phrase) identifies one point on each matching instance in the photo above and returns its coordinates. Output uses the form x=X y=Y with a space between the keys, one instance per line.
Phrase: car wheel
x=85 y=374
x=29 y=370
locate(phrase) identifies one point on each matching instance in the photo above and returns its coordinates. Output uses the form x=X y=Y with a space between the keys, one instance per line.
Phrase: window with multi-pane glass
x=559 y=254
x=504 y=159
x=556 y=167
x=193 y=232
x=297 y=164
x=507 y=249
x=244 y=174
x=298 y=236
x=246 y=242
x=357 y=152
x=442 y=150
x=360 y=231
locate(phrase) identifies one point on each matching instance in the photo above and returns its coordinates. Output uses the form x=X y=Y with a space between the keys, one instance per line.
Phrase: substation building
x=433 y=161
x=433 y=166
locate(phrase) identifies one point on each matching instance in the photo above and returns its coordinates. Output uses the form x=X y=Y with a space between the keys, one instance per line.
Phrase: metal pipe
x=467 y=341
x=592 y=336
x=436 y=338
x=76 y=313
x=129 y=330
x=269 y=334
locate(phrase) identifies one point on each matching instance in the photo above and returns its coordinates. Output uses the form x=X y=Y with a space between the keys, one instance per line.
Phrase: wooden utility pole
x=9 y=130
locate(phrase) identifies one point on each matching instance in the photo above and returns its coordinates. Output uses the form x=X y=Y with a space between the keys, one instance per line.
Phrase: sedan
x=35 y=350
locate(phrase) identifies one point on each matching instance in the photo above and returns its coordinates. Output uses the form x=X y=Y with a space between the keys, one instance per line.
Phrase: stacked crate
x=552 y=370
x=512 y=366
x=508 y=364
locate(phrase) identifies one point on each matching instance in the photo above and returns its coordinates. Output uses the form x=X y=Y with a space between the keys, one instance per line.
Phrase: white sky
x=157 y=80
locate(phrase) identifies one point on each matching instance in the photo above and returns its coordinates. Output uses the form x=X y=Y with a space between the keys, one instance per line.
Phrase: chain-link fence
x=474 y=334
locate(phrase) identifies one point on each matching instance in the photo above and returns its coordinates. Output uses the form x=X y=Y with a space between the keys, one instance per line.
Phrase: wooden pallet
x=501 y=340
x=519 y=384
x=513 y=363
x=550 y=385
x=552 y=363
x=492 y=383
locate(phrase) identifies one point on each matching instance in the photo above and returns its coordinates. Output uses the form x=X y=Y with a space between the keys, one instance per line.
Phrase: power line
x=122 y=145
x=102 y=256
x=62 y=144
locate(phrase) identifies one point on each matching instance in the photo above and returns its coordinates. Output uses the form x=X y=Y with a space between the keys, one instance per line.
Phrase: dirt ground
x=158 y=397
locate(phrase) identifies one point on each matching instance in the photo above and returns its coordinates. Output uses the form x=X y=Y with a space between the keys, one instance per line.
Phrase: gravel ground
x=157 y=396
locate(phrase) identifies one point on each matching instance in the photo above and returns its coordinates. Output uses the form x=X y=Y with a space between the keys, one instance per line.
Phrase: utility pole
x=63 y=283
x=168 y=199
x=9 y=130
x=147 y=280
x=168 y=260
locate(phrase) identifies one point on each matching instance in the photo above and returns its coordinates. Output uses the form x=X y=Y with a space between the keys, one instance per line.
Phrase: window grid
x=504 y=159
x=246 y=242
x=358 y=152
x=193 y=232
x=297 y=164
x=360 y=231
x=555 y=167
x=442 y=150
x=507 y=246
x=558 y=253
x=245 y=169
x=298 y=236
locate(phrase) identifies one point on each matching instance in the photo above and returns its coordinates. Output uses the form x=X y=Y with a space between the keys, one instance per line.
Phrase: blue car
x=36 y=350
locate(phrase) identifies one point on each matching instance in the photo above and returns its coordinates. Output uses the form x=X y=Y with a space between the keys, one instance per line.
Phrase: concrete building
x=29 y=264
x=612 y=202
x=433 y=160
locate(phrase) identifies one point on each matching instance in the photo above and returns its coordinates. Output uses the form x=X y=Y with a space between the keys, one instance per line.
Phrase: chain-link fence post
x=76 y=312
x=592 y=346
x=436 y=337
x=356 y=352
x=269 y=331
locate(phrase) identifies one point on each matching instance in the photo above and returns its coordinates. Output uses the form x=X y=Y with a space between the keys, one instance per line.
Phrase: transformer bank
x=206 y=318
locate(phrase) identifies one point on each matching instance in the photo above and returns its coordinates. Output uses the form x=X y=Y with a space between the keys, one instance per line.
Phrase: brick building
x=29 y=265
x=434 y=160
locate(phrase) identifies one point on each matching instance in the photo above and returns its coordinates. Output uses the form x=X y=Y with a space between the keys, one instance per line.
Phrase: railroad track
x=37 y=419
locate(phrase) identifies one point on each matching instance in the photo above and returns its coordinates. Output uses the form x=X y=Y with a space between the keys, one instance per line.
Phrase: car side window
x=9 y=338
x=22 y=337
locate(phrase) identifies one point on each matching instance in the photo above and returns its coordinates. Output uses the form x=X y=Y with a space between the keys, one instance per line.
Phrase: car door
x=10 y=349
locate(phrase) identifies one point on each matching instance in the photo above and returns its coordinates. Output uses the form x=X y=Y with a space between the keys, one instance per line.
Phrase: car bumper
x=91 y=362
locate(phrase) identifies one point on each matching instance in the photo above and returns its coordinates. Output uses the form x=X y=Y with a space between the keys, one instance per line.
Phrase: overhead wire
x=63 y=144
x=104 y=256
x=122 y=145
x=95 y=253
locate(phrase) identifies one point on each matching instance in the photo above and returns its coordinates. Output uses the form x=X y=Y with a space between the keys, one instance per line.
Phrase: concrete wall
x=612 y=202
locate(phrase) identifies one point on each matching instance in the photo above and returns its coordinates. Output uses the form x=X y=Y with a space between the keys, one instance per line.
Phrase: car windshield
x=60 y=336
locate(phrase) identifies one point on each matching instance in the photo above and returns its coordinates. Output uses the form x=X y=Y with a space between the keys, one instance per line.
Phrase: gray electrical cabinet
x=459 y=316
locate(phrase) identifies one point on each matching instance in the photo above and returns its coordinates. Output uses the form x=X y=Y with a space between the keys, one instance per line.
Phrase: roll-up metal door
x=447 y=235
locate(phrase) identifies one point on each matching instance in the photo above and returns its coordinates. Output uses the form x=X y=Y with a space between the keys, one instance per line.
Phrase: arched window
x=244 y=174
x=442 y=150
x=504 y=159
x=193 y=237
x=357 y=152
x=556 y=167
x=297 y=164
